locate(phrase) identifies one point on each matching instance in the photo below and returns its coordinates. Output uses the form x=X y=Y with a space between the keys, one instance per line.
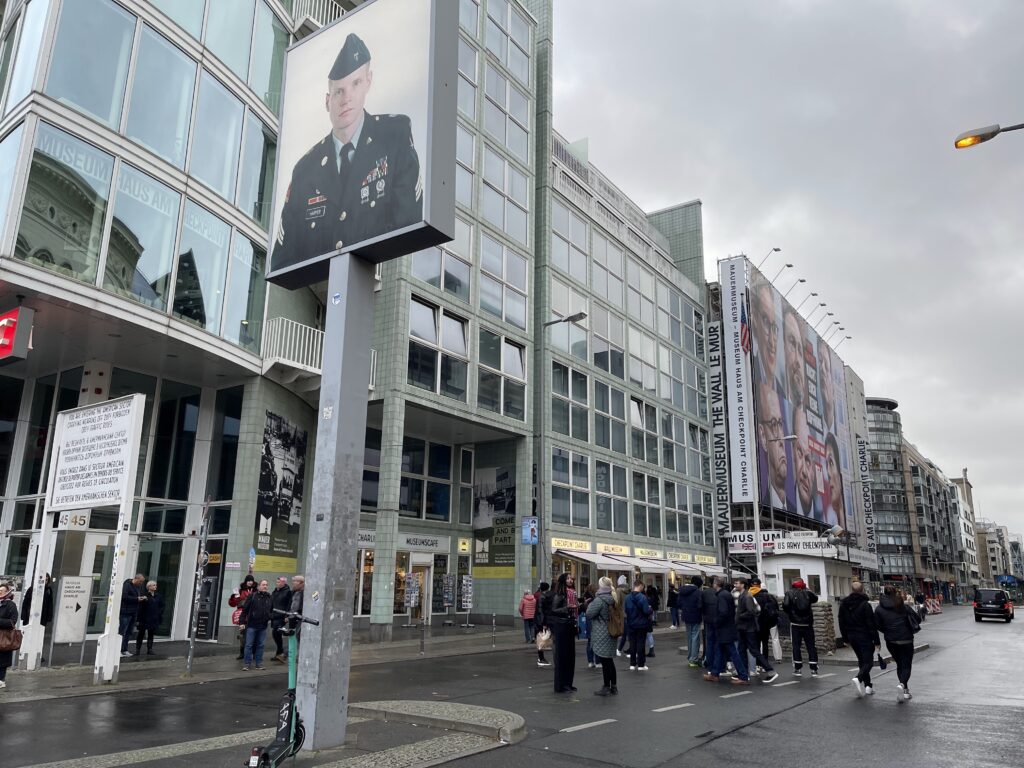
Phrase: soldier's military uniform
x=377 y=191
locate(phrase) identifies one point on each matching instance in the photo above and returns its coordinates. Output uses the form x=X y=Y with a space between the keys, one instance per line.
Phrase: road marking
x=734 y=695
x=674 y=706
x=853 y=669
x=587 y=725
x=830 y=674
x=789 y=682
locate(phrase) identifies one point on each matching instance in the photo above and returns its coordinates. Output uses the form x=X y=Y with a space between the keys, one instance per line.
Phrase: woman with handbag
x=541 y=633
x=898 y=625
x=563 y=629
x=10 y=638
x=599 y=612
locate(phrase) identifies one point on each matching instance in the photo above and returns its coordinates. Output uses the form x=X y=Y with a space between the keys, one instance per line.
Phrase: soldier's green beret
x=352 y=56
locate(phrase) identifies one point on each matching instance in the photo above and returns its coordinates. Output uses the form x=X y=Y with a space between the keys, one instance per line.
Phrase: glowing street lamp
x=979 y=135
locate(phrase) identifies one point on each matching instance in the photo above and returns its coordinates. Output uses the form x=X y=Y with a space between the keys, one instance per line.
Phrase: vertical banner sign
x=868 y=511
x=735 y=344
x=494 y=523
x=96 y=452
x=719 y=429
x=279 y=499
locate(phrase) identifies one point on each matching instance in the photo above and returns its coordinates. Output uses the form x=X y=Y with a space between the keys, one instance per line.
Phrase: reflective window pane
x=426 y=265
x=174 y=446
x=456 y=277
x=269 y=43
x=243 y=311
x=199 y=282
x=490 y=349
x=513 y=360
x=217 y=135
x=488 y=392
x=140 y=252
x=25 y=61
x=229 y=32
x=161 y=101
x=9 y=151
x=454 y=375
x=515 y=400
x=100 y=32
x=422 y=321
x=187 y=13
x=490 y=295
x=65 y=204
x=422 y=368
x=467 y=98
x=256 y=184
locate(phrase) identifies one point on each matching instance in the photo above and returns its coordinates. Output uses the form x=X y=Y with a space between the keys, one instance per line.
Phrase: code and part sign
x=94 y=453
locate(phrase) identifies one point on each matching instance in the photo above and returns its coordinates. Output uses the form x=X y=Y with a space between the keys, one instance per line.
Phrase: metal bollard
x=423 y=635
x=493 y=628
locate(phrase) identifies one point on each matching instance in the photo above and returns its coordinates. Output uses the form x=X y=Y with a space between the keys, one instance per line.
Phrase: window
x=202 y=267
x=506 y=114
x=29 y=44
x=503 y=279
x=570 y=496
x=467 y=98
x=224 y=446
x=501 y=382
x=643 y=420
x=467 y=59
x=466 y=488
x=508 y=38
x=101 y=33
x=643 y=357
x=140 y=252
x=256 y=184
x=10 y=404
x=217 y=136
x=269 y=43
x=469 y=16
x=465 y=154
x=677 y=512
x=62 y=221
x=569 y=412
x=228 y=33
x=609 y=417
x=639 y=292
x=671 y=378
x=569 y=241
x=174 y=444
x=701 y=511
x=442 y=270
x=698 y=452
x=187 y=13
x=161 y=100
x=425 y=489
x=246 y=289
x=10 y=148
x=505 y=196
x=608 y=341
x=570 y=338
x=693 y=334
x=438 y=351
x=371 y=470
x=611 y=510
x=607 y=270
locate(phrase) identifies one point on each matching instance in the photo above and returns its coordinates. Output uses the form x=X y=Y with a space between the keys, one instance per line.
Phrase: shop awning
x=690 y=568
x=644 y=565
x=601 y=561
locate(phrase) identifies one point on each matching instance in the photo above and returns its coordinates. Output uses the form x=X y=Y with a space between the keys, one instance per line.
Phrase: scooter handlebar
x=297 y=617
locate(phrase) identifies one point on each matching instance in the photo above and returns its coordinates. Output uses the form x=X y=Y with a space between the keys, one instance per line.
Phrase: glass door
x=160 y=561
x=422 y=611
x=97 y=559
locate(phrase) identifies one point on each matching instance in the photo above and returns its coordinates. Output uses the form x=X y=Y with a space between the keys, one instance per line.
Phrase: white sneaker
x=633 y=669
x=543 y=663
x=645 y=668
x=907 y=695
x=900 y=694
x=772 y=677
x=2 y=684
x=814 y=673
x=859 y=686
x=126 y=655
x=591 y=665
x=869 y=691
x=618 y=653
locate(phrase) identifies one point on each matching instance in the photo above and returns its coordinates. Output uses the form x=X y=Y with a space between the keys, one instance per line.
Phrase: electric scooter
x=290 y=731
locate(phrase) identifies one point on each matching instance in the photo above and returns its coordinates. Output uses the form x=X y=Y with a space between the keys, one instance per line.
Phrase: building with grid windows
x=140 y=140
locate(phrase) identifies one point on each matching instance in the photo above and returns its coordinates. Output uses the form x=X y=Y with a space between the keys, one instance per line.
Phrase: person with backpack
x=727 y=635
x=767 y=618
x=857 y=627
x=797 y=605
x=638 y=624
x=747 y=613
x=898 y=624
x=709 y=613
x=605 y=617
x=690 y=615
x=673 y=604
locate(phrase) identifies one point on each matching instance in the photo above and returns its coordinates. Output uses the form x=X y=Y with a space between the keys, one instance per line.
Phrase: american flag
x=744 y=327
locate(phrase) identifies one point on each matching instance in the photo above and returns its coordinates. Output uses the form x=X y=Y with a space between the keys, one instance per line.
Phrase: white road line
x=853 y=669
x=586 y=725
x=830 y=674
x=788 y=682
x=734 y=695
x=674 y=706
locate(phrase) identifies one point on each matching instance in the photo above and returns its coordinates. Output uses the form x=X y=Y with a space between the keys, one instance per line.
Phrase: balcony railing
x=298 y=345
x=319 y=12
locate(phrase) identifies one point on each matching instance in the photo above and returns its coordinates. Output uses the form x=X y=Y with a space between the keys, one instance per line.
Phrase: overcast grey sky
x=826 y=128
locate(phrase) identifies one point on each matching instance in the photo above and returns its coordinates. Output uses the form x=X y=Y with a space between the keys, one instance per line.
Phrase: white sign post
x=93 y=464
x=72 y=615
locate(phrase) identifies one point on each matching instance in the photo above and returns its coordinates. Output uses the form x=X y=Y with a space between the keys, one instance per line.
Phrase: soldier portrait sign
x=366 y=157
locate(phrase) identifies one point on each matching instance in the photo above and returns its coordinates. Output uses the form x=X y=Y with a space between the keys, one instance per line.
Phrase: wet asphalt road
x=968 y=709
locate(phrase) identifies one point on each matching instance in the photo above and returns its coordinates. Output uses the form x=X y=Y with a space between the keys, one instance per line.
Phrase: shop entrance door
x=97 y=559
x=422 y=612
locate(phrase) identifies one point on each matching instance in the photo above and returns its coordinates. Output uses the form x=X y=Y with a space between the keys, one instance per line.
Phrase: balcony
x=292 y=356
x=311 y=15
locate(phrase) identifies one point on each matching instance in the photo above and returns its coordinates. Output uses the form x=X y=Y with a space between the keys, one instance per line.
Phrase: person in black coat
x=131 y=599
x=151 y=614
x=255 y=617
x=727 y=635
x=8 y=620
x=709 y=614
x=898 y=622
x=563 y=630
x=281 y=600
x=47 y=610
x=689 y=606
x=543 y=598
x=672 y=603
x=857 y=627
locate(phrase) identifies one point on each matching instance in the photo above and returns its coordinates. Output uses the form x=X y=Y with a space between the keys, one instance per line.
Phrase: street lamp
x=840 y=342
x=784 y=266
x=758 y=553
x=773 y=250
x=794 y=285
x=832 y=332
x=567 y=319
x=979 y=135
x=809 y=295
x=823 y=318
x=811 y=313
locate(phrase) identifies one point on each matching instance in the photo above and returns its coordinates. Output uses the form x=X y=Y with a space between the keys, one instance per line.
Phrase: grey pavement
x=969 y=693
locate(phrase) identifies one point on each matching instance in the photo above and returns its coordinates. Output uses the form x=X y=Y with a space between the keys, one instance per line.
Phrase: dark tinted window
x=991 y=595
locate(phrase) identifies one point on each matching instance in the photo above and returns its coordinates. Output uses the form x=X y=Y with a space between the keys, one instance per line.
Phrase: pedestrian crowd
x=256 y=610
x=732 y=633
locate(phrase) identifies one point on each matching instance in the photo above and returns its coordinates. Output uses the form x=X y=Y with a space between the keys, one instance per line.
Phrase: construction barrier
x=933 y=605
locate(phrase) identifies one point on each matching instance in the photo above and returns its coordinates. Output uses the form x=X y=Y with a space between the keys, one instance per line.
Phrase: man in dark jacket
x=672 y=603
x=747 y=611
x=131 y=598
x=726 y=633
x=281 y=600
x=47 y=610
x=255 y=617
x=709 y=612
x=689 y=603
x=151 y=614
x=654 y=598
x=638 y=623
x=857 y=627
x=797 y=605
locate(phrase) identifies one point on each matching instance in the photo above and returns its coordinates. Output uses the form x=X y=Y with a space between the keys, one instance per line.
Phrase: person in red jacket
x=528 y=609
x=236 y=601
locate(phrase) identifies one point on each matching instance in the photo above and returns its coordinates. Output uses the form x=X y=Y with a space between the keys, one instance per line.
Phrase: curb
x=498 y=724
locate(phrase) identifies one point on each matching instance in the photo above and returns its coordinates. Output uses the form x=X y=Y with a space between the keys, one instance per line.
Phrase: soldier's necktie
x=345 y=158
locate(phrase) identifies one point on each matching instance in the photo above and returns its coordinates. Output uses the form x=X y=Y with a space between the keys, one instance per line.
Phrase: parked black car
x=992 y=604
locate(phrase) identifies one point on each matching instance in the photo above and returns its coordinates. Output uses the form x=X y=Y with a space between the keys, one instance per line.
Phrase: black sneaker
x=603 y=692
x=770 y=677
x=650 y=654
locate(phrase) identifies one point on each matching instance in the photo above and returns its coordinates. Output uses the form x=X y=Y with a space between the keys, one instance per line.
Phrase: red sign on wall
x=15 y=334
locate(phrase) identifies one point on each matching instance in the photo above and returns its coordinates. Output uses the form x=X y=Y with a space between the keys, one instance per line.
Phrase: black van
x=992 y=604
